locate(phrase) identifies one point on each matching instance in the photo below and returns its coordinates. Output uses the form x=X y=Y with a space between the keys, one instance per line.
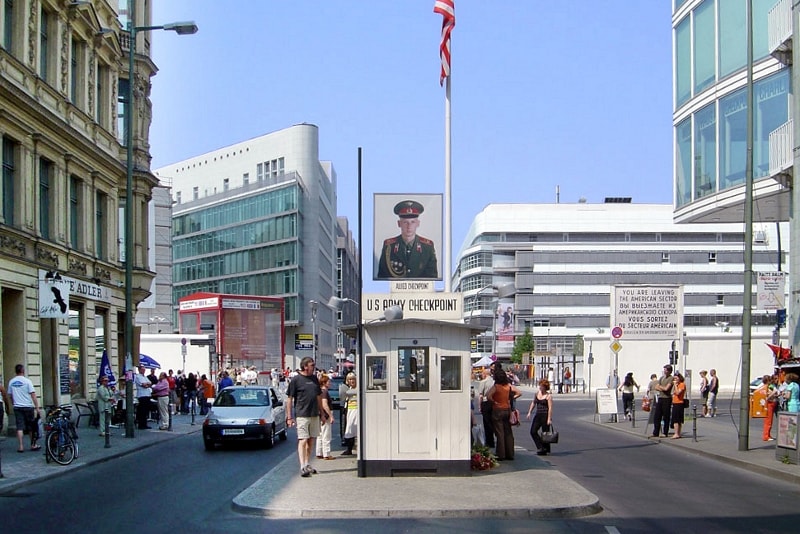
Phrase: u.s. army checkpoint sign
x=434 y=305
x=648 y=312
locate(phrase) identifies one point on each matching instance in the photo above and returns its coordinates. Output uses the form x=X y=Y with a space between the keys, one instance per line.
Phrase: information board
x=648 y=312
x=607 y=401
x=63 y=374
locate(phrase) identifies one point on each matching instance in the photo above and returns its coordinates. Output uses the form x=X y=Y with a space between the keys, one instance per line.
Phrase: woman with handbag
x=627 y=394
x=542 y=416
x=678 y=395
x=501 y=394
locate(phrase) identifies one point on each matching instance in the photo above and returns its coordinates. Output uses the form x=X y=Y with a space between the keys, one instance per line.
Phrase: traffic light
x=673 y=357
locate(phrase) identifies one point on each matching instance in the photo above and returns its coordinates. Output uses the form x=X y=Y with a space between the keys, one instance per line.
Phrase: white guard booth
x=416 y=386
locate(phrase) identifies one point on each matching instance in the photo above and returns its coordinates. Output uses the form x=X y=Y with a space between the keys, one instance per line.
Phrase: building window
x=195 y=193
x=704 y=49
x=665 y=257
x=100 y=224
x=260 y=172
x=712 y=257
x=74 y=212
x=705 y=151
x=683 y=62
x=122 y=107
x=178 y=197
x=683 y=162
x=246 y=178
x=44 y=45
x=77 y=355
x=733 y=129
x=280 y=166
x=45 y=195
x=10 y=152
x=9 y=40
x=77 y=81
x=720 y=300
x=226 y=184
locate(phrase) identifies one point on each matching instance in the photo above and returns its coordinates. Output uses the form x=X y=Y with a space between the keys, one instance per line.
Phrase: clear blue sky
x=544 y=94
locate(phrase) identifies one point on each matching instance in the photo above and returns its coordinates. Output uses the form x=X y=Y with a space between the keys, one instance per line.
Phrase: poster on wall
x=408 y=236
x=504 y=325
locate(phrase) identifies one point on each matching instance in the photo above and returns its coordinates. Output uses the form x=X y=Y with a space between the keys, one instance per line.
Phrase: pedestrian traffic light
x=673 y=357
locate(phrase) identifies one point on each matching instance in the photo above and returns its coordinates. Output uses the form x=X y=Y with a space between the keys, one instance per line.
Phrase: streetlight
x=181 y=28
x=313 y=305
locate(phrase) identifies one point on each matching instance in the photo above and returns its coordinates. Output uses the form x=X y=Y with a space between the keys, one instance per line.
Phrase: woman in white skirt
x=351 y=425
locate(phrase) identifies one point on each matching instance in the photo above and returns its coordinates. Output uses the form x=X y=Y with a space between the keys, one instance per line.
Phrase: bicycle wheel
x=61 y=448
x=47 y=456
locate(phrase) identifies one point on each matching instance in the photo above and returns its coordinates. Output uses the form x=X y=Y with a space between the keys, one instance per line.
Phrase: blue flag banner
x=105 y=370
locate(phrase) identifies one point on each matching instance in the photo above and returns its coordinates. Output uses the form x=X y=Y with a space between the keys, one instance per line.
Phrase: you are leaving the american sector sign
x=648 y=312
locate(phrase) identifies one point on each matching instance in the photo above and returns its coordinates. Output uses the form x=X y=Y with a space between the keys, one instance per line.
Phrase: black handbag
x=550 y=436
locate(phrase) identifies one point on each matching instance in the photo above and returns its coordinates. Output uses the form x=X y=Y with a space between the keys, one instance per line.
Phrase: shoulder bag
x=550 y=435
x=646 y=403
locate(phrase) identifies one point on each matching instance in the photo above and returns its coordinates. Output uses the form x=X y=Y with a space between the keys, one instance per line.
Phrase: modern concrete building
x=710 y=119
x=561 y=261
x=259 y=218
x=347 y=283
x=63 y=87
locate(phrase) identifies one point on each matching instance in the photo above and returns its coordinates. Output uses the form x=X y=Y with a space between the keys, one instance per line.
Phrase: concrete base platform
x=526 y=487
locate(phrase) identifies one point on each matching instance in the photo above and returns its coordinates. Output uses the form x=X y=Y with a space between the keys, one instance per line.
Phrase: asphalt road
x=178 y=487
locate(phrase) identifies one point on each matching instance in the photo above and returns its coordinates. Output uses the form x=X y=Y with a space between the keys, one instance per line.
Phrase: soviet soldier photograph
x=408 y=255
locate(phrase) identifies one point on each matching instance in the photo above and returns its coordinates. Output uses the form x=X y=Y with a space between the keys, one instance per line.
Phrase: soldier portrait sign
x=408 y=236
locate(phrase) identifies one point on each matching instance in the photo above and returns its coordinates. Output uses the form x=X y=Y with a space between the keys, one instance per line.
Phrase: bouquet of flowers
x=482 y=458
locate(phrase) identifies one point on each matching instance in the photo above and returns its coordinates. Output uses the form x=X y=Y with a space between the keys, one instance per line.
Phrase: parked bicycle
x=61 y=437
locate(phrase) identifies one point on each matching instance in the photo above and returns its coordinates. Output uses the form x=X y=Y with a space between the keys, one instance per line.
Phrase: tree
x=522 y=345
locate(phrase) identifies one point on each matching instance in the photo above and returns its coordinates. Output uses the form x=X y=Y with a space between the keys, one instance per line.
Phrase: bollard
x=170 y=418
x=1 y=465
x=192 y=403
x=694 y=422
x=105 y=430
x=633 y=413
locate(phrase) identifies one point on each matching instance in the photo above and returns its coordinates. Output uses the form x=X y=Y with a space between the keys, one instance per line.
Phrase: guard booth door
x=412 y=417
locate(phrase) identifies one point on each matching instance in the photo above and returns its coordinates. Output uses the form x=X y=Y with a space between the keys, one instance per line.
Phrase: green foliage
x=522 y=345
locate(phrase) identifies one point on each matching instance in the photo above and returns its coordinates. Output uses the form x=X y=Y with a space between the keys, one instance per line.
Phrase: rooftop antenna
x=558 y=194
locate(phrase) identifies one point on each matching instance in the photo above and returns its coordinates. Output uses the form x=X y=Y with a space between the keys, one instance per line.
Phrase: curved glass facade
x=710 y=59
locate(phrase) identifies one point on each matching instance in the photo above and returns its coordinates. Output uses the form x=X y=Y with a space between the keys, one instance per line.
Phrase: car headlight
x=260 y=422
x=210 y=421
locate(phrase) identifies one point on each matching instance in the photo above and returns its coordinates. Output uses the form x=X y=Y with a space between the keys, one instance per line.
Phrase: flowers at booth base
x=482 y=458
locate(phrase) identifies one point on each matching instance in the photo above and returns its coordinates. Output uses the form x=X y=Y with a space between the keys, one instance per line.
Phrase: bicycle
x=61 y=438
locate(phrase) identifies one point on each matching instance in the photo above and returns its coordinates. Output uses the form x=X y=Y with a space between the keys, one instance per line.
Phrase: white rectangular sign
x=648 y=312
x=771 y=290
x=438 y=306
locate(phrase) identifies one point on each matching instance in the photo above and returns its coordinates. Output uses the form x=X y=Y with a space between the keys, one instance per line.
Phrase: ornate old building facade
x=63 y=87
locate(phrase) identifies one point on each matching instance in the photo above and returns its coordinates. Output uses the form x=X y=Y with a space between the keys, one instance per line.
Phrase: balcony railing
x=780 y=149
x=779 y=31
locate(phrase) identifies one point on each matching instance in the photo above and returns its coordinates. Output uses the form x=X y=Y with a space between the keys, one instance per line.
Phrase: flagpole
x=448 y=215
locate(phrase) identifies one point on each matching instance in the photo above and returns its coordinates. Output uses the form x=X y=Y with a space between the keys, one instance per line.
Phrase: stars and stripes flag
x=447 y=9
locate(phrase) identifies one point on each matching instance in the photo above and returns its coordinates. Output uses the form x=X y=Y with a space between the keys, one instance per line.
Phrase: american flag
x=447 y=9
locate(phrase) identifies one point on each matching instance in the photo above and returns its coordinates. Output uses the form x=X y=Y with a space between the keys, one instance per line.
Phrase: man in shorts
x=303 y=406
x=26 y=407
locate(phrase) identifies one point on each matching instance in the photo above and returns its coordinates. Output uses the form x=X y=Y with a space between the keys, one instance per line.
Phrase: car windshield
x=242 y=397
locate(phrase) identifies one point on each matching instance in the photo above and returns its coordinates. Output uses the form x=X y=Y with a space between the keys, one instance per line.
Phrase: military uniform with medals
x=416 y=259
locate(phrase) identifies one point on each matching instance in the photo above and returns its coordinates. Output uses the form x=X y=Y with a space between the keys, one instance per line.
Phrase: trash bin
x=758 y=403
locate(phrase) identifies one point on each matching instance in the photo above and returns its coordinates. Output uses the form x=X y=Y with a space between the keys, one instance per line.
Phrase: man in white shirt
x=143 y=394
x=26 y=407
x=485 y=406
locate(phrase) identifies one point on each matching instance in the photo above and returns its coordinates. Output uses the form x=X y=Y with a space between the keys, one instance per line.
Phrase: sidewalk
x=718 y=439
x=19 y=469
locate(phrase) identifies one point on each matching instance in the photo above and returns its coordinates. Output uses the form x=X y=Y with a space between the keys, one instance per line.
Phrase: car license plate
x=232 y=431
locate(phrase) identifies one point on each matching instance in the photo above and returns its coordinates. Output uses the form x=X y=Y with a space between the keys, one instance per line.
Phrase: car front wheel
x=269 y=438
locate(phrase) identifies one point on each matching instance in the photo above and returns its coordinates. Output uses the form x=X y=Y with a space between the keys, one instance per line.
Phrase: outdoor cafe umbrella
x=148 y=363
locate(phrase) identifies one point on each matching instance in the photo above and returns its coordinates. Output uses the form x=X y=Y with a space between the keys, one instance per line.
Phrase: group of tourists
x=496 y=403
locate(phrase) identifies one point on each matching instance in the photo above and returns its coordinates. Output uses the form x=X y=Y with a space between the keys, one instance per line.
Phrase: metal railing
x=779 y=27
x=780 y=148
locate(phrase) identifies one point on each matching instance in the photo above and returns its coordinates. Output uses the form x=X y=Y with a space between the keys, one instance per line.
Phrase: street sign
x=616 y=332
x=616 y=346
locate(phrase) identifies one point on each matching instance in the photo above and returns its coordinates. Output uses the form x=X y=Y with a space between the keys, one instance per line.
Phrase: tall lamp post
x=181 y=28
x=313 y=305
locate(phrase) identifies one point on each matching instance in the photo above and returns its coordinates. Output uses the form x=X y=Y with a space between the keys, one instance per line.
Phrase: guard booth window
x=412 y=369
x=451 y=373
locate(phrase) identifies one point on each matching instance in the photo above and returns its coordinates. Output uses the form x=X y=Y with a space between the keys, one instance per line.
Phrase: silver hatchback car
x=245 y=413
